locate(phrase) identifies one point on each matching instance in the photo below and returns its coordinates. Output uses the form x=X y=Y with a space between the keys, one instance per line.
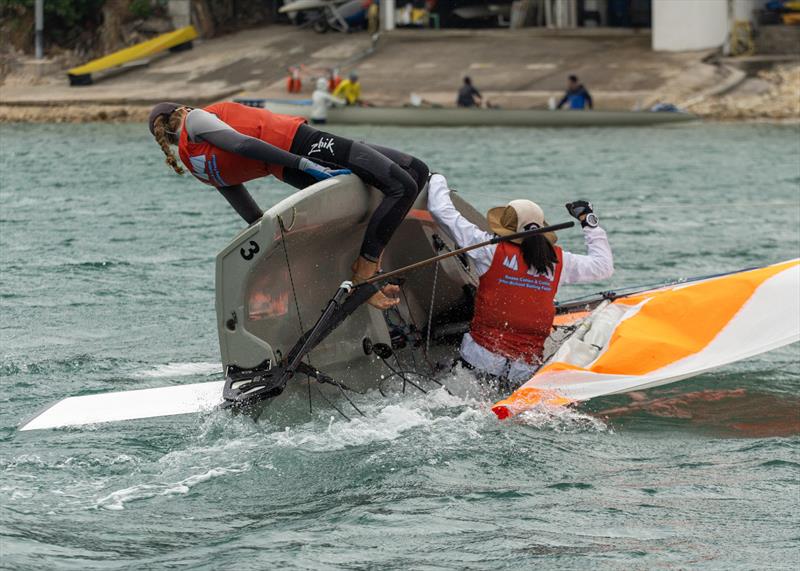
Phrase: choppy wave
x=421 y=481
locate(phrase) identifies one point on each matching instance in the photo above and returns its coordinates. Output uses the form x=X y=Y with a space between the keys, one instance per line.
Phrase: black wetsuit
x=397 y=175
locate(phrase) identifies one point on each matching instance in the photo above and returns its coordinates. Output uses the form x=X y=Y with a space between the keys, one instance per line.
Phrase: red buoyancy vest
x=216 y=167
x=514 y=310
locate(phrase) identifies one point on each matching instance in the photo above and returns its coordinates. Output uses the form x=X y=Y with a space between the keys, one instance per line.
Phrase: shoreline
x=96 y=113
x=518 y=69
x=73 y=113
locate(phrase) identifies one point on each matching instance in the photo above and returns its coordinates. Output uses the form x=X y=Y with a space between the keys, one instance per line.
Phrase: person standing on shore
x=227 y=144
x=320 y=101
x=576 y=95
x=468 y=95
x=514 y=308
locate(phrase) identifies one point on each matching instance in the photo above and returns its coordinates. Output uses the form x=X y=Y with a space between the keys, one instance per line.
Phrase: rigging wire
x=417 y=330
x=430 y=309
x=296 y=305
x=328 y=400
x=402 y=374
x=307 y=357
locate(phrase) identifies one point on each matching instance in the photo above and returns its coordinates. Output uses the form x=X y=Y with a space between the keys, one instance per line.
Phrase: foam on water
x=180 y=370
x=561 y=419
x=116 y=500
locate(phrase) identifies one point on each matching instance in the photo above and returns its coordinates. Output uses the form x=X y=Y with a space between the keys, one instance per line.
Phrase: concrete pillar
x=181 y=13
x=743 y=9
x=687 y=26
x=39 y=25
x=387 y=15
x=561 y=13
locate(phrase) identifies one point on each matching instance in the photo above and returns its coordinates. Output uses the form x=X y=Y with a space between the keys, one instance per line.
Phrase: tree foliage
x=64 y=20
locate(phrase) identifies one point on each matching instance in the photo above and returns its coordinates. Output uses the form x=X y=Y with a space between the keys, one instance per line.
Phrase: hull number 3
x=251 y=251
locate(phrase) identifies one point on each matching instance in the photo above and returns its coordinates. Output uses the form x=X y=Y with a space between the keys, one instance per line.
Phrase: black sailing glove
x=583 y=211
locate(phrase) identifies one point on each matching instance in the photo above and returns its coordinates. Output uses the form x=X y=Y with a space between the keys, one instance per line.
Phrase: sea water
x=107 y=283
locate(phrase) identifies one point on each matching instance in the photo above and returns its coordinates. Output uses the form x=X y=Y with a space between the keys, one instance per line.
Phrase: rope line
x=430 y=310
x=296 y=306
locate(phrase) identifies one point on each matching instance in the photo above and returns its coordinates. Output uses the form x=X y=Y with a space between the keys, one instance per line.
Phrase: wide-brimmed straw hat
x=518 y=216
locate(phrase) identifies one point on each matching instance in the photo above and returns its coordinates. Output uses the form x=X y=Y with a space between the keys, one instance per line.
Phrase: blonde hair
x=162 y=127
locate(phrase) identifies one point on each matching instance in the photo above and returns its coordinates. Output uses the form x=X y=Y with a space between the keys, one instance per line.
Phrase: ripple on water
x=685 y=480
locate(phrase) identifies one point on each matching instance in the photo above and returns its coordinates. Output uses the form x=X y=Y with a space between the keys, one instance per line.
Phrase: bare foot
x=387 y=297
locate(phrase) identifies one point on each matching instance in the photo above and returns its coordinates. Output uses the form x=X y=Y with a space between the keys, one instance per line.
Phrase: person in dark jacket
x=468 y=96
x=577 y=95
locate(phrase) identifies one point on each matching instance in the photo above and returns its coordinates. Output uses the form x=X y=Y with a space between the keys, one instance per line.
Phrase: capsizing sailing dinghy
x=273 y=279
x=275 y=276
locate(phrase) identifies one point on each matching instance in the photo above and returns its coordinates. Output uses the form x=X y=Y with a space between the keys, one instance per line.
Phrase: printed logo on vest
x=198 y=163
x=207 y=170
x=322 y=144
x=511 y=263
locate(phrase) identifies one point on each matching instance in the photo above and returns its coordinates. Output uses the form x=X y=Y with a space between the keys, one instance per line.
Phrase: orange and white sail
x=664 y=335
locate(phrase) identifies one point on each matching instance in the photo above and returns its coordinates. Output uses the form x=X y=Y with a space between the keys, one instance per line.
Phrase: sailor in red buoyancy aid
x=519 y=280
x=227 y=144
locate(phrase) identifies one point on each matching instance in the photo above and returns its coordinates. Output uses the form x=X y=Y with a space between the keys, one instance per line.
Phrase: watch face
x=591 y=220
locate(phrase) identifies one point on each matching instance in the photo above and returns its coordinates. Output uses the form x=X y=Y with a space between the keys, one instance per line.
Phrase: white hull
x=459 y=117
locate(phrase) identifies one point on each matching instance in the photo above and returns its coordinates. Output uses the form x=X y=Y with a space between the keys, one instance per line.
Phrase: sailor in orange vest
x=514 y=308
x=227 y=144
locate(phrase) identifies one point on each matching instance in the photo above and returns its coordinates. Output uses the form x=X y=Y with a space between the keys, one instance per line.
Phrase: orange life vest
x=216 y=167
x=514 y=309
x=294 y=84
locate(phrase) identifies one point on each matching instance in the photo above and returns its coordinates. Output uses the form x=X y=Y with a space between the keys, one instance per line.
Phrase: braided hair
x=163 y=130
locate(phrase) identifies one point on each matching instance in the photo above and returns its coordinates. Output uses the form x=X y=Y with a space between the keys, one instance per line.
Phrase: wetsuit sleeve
x=588 y=98
x=563 y=100
x=241 y=200
x=205 y=126
x=596 y=265
x=461 y=230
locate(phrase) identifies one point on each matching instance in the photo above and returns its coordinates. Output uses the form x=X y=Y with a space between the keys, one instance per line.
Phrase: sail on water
x=667 y=334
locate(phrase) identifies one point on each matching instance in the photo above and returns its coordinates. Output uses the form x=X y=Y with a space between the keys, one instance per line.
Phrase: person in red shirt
x=227 y=144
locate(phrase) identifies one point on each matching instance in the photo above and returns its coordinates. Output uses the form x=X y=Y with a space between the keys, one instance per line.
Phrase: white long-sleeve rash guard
x=596 y=265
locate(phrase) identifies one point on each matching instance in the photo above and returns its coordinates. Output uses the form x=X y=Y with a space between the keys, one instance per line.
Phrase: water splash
x=562 y=420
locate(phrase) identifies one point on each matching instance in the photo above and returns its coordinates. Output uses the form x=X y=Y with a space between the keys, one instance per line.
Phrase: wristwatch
x=590 y=220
